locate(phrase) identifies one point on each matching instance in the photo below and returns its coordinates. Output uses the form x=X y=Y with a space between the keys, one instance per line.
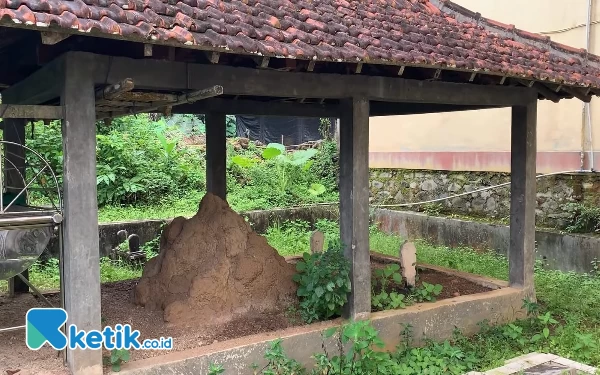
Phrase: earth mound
x=214 y=267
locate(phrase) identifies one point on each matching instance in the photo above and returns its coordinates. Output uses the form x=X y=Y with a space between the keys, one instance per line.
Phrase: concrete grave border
x=435 y=321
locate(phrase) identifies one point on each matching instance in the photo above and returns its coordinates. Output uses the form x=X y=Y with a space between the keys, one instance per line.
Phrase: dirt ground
x=118 y=307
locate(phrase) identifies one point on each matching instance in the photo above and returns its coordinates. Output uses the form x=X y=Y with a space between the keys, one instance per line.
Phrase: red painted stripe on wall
x=547 y=162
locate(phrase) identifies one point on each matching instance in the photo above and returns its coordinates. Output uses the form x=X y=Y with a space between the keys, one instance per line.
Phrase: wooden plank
x=257 y=108
x=354 y=204
x=168 y=75
x=521 y=252
x=36 y=112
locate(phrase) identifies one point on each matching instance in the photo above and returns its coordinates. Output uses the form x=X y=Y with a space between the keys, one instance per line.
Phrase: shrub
x=323 y=283
x=585 y=219
x=137 y=159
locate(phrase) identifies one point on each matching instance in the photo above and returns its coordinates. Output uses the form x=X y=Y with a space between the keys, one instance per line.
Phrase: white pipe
x=586 y=106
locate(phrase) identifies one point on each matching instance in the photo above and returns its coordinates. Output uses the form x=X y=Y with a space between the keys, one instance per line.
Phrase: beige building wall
x=480 y=140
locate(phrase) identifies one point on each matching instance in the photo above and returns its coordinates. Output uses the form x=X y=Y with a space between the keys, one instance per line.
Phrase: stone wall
x=408 y=186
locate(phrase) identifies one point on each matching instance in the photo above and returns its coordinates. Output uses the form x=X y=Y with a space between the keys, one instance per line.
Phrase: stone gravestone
x=317 y=240
x=408 y=262
x=134 y=243
x=122 y=235
x=134 y=248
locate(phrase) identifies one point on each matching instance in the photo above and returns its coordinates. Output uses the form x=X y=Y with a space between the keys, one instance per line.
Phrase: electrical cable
x=439 y=199
x=568 y=28
x=467 y=193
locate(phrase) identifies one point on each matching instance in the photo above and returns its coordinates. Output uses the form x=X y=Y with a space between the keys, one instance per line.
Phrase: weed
x=214 y=369
x=323 y=283
x=117 y=357
x=427 y=292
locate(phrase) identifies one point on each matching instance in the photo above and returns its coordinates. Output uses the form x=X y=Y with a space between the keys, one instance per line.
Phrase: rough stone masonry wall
x=391 y=186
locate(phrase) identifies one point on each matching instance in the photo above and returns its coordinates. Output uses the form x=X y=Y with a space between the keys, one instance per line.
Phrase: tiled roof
x=430 y=33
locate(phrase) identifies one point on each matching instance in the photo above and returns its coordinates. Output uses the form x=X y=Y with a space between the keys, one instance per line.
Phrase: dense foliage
x=147 y=167
x=323 y=283
x=585 y=219
x=137 y=160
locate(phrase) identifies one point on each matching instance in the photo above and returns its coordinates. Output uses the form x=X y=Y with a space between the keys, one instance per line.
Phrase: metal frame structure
x=31 y=217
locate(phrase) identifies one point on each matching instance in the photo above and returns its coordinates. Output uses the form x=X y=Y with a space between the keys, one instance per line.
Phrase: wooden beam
x=36 y=112
x=521 y=252
x=216 y=154
x=354 y=204
x=257 y=108
x=358 y=69
x=311 y=65
x=473 y=75
x=166 y=75
x=112 y=91
x=544 y=90
x=52 y=38
x=167 y=107
x=578 y=93
x=401 y=70
x=43 y=85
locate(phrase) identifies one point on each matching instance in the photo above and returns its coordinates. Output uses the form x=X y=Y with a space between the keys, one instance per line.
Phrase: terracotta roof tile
x=433 y=33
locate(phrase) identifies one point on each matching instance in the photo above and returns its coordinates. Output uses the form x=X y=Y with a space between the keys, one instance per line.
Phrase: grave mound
x=213 y=267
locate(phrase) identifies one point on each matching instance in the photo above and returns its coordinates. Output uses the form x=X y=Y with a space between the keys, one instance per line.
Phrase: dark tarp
x=271 y=129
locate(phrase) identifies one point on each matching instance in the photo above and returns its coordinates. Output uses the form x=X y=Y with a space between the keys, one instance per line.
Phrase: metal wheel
x=30 y=207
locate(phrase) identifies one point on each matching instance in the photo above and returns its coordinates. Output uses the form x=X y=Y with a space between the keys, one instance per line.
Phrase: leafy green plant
x=427 y=292
x=278 y=363
x=386 y=299
x=515 y=333
x=287 y=165
x=323 y=283
x=214 y=369
x=117 y=357
x=360 y=352
x=586 y=345
x=546 y=321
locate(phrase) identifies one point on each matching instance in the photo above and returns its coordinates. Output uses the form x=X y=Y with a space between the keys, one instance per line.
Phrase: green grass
x=171 y=206
x=47 y=277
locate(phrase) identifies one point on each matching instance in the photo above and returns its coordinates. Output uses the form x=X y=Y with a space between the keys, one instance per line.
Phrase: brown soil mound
x=213 y=267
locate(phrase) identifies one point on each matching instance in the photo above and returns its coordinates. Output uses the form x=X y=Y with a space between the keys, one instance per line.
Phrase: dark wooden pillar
x=521 y=254
x=216 y=154
x=354 y=203
x=81 y=268
x=14 y=180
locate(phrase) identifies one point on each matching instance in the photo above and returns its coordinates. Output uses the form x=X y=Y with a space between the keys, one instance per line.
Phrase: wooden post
x=354 y=203
x=521 y=253
x=81 y=268
x=216 y=154
x=14 y=175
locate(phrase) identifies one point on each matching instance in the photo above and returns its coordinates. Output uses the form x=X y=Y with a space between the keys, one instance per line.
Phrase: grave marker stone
x=408 y=262
x=317 y=240
x=134 y=243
